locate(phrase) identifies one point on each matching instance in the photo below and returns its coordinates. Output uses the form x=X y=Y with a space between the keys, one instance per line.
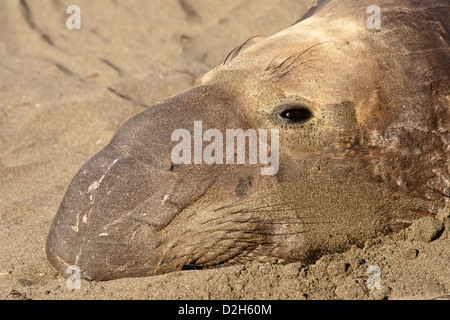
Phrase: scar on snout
x=166 y=197
x=96 y=184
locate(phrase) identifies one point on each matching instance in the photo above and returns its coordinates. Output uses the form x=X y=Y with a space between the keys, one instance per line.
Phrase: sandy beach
x=64 y=92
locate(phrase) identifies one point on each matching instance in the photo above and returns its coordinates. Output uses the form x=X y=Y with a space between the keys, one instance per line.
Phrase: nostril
x=173 y=167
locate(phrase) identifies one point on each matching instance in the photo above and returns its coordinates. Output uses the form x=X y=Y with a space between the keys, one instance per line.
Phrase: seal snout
x=112 y=221
x=105 y=219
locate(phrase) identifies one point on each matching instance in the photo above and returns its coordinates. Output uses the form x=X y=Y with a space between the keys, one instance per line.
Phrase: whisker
x=264 y=253
x=272 y=210
x=266 y=233
x=301 y=54
x=235 y=52
x=273 y=60
x=118 y=126
x=229 y=55
x=227 y=248
x=269 y=222
x=272 y=205
x=286 y=60
x=288 y=71
x=267 y=206
x=249 y=220
x=239 y=201
x=290 y=61
x=250 y=241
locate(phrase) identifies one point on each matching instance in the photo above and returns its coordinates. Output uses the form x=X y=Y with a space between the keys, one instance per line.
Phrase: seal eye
x=295 y=114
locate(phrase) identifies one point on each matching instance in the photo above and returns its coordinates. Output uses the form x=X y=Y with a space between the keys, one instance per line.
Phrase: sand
x=64 y=92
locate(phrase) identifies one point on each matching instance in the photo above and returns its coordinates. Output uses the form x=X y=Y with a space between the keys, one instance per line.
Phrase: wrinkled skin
x=373 y=156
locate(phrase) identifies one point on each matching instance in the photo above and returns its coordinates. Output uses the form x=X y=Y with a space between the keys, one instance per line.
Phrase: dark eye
x=295 y=114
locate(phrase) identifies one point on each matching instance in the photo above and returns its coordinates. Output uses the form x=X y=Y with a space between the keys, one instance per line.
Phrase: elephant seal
x=363 y=118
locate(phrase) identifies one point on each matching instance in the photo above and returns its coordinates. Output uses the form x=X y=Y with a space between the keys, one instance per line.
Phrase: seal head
x=363 y=118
